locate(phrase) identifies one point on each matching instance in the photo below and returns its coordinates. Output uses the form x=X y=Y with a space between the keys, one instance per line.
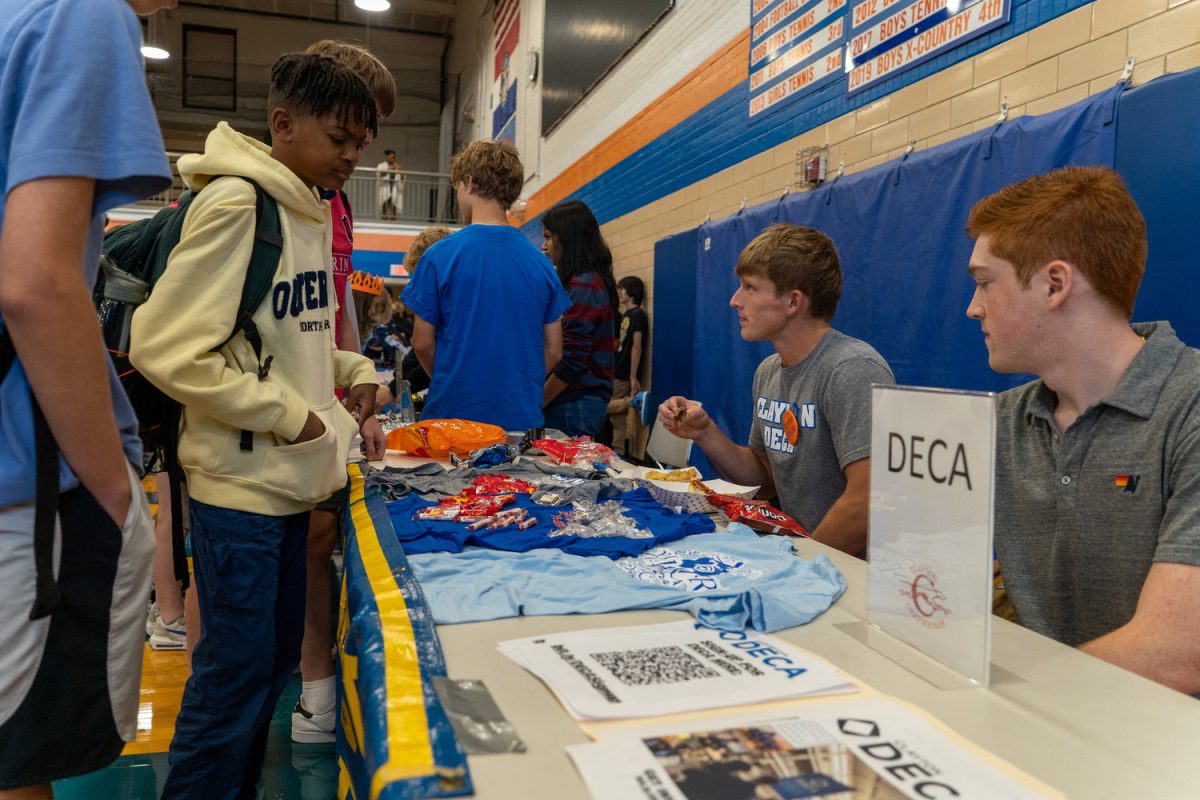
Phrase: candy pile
x=587 y=520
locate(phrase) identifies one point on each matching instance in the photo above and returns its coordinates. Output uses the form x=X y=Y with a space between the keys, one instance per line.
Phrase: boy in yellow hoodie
x=250 y=506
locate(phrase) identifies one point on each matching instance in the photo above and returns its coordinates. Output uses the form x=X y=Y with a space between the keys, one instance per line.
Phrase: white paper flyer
x=652 y=670
x=837 y=749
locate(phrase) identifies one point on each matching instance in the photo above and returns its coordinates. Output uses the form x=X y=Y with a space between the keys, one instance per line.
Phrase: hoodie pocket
x=311 y=471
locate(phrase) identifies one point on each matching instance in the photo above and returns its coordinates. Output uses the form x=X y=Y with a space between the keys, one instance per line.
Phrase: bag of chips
x=437 y=438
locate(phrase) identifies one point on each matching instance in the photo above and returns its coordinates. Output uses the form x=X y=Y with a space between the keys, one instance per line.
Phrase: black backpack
x=134 y=258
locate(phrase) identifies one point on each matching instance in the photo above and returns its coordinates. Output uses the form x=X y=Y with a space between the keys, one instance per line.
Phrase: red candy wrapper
x=757 y=515
x=499 y=484
x=581 y=452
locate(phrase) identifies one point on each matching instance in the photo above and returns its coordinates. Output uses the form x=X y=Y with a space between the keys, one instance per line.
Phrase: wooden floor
x=164 y=673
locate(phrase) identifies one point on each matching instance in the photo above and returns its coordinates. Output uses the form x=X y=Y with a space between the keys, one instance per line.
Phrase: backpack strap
x=264 y=260
x=47 y=596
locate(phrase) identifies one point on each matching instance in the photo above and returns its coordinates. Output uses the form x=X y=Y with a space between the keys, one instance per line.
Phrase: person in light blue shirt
x=78 y=137
x=488 y=305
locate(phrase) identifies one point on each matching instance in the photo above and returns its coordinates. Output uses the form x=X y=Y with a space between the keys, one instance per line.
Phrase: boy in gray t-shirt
x=810 y=441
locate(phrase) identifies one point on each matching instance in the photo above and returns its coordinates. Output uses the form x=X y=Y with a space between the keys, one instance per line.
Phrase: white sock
x=317 y=696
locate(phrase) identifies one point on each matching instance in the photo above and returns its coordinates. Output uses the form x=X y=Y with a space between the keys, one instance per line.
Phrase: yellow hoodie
x=192 y=310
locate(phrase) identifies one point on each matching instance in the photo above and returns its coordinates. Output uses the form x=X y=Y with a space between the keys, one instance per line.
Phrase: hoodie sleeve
x=351 y=369
x=193 y=309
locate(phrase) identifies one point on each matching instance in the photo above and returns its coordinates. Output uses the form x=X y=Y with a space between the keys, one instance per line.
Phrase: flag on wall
x=507 y=26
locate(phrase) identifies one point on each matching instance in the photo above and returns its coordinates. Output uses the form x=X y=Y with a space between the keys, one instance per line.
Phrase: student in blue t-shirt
x=488 y=305
x=72 y=597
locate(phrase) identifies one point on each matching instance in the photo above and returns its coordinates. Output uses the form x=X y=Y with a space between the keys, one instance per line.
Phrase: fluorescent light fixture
x=154 y=53
x=373 y=5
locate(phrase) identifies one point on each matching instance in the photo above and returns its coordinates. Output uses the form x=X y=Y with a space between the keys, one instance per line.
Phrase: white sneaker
x=169 y=635
x=151 y=618
x=310 y=728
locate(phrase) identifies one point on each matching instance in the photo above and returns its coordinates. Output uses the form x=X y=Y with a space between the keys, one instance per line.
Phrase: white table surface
x=1087 y=728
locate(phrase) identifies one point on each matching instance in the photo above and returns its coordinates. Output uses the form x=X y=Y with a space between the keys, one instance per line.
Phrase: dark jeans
x=250 y=581
x=582 y=416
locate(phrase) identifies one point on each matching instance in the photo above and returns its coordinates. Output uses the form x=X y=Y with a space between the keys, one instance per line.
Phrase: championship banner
x=888 y=37
x=394 y=740
x=795 y=46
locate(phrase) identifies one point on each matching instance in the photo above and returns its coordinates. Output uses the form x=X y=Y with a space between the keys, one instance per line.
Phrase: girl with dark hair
x=577 y=391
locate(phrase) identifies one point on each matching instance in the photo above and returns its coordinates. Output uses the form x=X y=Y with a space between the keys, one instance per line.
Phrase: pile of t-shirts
x=727 y=580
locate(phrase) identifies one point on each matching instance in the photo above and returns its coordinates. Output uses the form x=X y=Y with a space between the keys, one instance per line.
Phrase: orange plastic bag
x=437 y=438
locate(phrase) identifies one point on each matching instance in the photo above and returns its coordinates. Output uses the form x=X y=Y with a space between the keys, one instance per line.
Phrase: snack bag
x=437 y=438
x=757 y=515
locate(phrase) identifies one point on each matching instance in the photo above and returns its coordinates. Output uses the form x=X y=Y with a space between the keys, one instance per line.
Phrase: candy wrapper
x=581 y=452
x=466 y=506
x=500 y=484
x=757 y=515
x=492 y=456
x=588 y=520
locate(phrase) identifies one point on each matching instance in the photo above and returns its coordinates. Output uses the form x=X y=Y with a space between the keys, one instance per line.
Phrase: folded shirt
x=729 y=581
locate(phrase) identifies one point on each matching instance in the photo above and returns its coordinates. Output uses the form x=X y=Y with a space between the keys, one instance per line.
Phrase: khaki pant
x=626 y=423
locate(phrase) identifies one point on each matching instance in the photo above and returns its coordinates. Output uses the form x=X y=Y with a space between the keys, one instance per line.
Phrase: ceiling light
x=154 y=53
x=373 y=5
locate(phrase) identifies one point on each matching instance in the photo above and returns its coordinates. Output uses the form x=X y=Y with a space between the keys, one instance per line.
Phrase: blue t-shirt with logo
x=489 y=293
x=430 y=536
x=729 y=581
x=73 y=102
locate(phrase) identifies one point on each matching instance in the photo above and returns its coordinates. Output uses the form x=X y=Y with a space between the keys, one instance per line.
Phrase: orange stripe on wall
x=724 y=70
x=383 y=241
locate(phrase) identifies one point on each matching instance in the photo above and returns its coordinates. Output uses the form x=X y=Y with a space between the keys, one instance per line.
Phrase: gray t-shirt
x=1082 y=515
x=814 y=418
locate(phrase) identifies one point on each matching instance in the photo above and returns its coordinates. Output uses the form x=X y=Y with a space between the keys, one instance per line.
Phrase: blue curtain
x=900 y=229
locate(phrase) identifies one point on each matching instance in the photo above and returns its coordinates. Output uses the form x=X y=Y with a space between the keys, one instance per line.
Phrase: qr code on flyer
x=653 y=665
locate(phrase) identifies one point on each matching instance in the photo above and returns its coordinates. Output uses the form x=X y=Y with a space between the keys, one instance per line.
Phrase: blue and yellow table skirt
x=394 y=740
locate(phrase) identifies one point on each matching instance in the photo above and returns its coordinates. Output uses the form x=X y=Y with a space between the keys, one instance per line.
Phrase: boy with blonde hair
x=810 y=439
x=488 y=304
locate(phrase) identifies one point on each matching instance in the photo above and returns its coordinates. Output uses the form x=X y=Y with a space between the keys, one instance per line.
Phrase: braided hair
x=318 y=85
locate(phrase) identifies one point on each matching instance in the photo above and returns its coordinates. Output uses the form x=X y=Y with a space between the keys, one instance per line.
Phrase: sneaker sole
x=166 y=644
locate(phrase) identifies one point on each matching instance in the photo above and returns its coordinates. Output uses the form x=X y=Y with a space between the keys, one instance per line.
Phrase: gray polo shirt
x=1081 y=515
x=814 y=418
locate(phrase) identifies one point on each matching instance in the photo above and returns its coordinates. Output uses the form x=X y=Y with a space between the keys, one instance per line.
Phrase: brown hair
x=494 y=169
x=363 y=63
x=795 y=257
x=423 y=241
x=1082 y=215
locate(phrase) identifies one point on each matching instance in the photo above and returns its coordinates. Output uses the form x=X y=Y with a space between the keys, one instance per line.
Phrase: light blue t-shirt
x=727 y=581
x=73 y=102
x=488 y=292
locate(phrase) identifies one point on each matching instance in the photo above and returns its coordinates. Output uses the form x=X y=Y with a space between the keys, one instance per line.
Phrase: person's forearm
x=1155 y=657
x=844 y=526
x=554 y=387
x=635 y=360
x=736 y=462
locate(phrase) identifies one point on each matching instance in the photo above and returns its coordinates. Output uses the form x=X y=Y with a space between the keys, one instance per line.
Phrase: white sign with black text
x=871 y=747
x=676 y=667
x=930 y=553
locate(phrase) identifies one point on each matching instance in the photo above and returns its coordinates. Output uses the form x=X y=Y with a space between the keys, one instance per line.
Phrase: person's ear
x=1058 y=279
x=282 y=124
